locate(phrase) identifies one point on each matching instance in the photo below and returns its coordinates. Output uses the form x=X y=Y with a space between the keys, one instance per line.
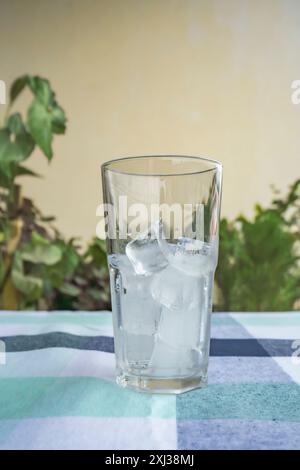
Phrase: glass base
x=160 y=385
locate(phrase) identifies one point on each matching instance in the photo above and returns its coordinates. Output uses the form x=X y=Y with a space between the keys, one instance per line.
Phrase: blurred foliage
x=39 y=269
x=258 y=266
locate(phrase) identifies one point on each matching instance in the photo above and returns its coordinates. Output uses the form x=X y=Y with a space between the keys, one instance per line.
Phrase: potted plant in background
x=258 y=266
x=39 y=269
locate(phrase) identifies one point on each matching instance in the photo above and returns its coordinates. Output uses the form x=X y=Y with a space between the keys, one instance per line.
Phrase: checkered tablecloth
x=57 y=388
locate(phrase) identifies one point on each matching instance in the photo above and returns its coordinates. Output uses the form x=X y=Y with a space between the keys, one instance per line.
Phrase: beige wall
x=160 y=76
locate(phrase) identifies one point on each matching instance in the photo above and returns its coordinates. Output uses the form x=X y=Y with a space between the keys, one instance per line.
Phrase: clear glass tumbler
x=162 y=218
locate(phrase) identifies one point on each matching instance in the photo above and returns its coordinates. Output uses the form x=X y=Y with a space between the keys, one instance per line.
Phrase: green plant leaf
x=40 y=126
x=44 y=94
x=38 y=239
x=30 y=286
x=58 y=120
x=23 y=171
x=41 y=89
x=69 y=289
x=15 y=124
x=48 y=255
x=17 y=87
x=5 y=167
x=95 y=293
x=40 y=251
x=25 y=145
x=16 y=144
x=67 y=265
x=70 y=259
x=44 y=118
x=97 y=252
x=6 y=175
x=4 y=144
x=47 y=218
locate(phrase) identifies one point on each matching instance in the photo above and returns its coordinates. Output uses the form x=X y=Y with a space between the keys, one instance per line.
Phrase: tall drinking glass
x=162 y=218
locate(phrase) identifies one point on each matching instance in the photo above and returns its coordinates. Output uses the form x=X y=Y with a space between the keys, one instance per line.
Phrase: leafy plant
x=39 y=269
x=258 y=266
x=259 y=259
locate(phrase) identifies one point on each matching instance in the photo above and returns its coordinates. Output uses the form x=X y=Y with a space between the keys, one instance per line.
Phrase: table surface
x=57 y=388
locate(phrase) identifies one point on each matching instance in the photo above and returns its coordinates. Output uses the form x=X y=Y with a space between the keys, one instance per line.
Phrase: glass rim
x=216 y=165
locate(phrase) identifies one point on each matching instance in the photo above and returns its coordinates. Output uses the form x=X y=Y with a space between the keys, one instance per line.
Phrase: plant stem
x=6 y=275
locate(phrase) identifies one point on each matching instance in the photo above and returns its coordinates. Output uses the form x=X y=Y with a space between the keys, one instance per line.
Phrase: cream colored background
x=209 y=77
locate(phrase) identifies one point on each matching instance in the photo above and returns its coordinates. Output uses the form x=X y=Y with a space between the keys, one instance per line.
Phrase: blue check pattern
x=57 y=388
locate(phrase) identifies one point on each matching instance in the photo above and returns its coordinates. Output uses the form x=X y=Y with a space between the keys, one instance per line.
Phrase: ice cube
x=145 y=254
x=167 y=361
x=176 y=290
x=140 y=315
x=178 y=335
x=139 y=349
x=140 y=318
x=180 y=328
x=193 y=257
x=190 y=245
